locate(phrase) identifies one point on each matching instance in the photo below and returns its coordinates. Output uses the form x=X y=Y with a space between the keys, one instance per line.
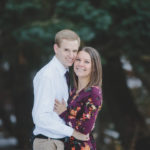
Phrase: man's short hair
x=67 y=35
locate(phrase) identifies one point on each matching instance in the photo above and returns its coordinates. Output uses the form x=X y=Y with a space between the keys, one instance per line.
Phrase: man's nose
x=71 y=55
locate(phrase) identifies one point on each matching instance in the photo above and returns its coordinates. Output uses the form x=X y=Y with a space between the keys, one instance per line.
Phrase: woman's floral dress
x=81 y=115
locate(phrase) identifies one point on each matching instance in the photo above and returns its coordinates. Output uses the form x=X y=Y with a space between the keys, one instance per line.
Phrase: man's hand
x=60 y=107
x=80 y=136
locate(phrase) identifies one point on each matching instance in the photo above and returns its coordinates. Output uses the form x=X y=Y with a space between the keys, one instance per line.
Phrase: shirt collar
x=60 y=67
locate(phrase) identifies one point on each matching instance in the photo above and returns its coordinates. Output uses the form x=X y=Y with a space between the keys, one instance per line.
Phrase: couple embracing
x=64 y=117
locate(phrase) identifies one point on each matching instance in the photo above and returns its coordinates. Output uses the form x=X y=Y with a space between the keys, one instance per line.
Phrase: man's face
x=66 y=52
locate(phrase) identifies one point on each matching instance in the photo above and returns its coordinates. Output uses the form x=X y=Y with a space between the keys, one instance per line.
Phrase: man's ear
x=55 y=48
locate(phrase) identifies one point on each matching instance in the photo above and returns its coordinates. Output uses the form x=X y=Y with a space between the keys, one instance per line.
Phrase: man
x=50 y=84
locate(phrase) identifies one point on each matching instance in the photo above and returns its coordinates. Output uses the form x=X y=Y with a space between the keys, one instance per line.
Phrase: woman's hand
x=60 y=107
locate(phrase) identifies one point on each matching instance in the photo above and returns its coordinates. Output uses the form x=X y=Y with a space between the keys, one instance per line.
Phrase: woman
x=85 y=99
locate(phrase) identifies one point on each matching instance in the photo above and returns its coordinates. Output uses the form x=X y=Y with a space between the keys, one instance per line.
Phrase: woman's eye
x=87 y=62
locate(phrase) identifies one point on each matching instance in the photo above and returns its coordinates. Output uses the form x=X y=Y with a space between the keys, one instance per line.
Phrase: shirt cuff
x=69 y=131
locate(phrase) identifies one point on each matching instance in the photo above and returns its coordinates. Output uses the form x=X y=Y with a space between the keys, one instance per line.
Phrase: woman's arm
x=61 y=107
x=86 y=114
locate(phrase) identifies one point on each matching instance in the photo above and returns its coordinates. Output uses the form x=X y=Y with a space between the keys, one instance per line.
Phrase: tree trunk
x=123 y=111
x=23 y=101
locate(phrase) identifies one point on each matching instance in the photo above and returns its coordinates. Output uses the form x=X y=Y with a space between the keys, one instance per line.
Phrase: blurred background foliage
x=118 y=29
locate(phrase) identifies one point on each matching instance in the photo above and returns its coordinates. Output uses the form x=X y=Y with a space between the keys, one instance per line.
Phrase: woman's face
x=83 y=65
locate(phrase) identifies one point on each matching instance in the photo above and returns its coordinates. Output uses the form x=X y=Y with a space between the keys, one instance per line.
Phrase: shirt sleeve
x=83 y=118
x=43 y=114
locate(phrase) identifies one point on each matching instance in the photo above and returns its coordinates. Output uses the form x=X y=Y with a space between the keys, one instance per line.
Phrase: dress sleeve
x=82 y=118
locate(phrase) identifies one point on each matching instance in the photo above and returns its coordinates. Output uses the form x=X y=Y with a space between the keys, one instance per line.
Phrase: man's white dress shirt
x=50 y=84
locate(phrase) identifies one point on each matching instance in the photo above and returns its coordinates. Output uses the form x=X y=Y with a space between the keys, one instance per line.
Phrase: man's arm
x=43 y=114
